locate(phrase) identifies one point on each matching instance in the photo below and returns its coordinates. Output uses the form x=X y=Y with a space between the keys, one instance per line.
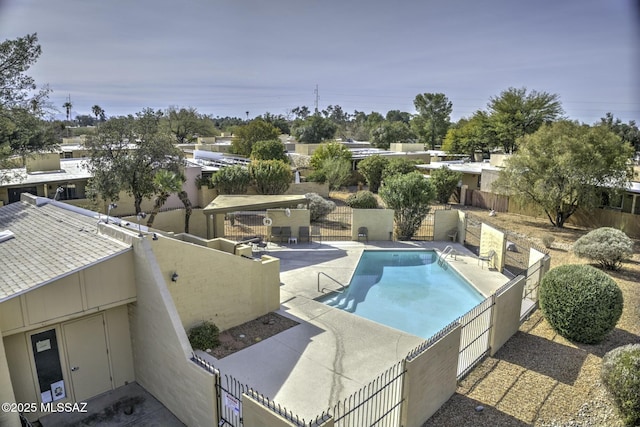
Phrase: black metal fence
x=376 y=404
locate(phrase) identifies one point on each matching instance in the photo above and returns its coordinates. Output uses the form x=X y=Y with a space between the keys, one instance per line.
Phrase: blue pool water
x=406 y=290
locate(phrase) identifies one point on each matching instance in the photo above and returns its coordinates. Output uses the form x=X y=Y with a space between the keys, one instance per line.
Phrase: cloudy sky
x=226 y=57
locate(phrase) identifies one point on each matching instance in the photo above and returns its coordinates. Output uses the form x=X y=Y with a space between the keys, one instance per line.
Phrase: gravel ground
x=539 y=378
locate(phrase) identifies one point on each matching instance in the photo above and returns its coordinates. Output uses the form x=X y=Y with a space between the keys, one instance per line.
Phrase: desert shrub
x=204 y=336
x=362 y=200
x=581 y=303
x=231 y=180
x=270 y=176
x=445 y=182
x=316 y=176
x=607 y=246
x=547 y=240
x=409 y=196
x=336 y=171
x=372 y=168
x=319 y=206
x=621 y=376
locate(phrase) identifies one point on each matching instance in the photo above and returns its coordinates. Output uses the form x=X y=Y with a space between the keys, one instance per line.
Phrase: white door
x=88 y=357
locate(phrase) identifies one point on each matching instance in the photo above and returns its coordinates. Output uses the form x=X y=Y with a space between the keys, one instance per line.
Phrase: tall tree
x=67 y=106
x=126 y=153
x=249 y=134
x=98 y=112
x=17 y=89
x=515 y=113
x=372 y=169
x=186 y=124
x=314 y=129
x=470 y=135
x=328 y=151
x=269 y=150
x=433 y=119
x=628 y=132
x=390 y=132
x=564 y=166
x=270 y=176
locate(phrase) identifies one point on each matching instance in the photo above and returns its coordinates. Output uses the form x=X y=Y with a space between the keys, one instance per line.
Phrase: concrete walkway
x=331 y=354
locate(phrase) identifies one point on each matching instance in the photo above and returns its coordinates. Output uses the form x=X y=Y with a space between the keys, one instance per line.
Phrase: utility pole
x=316 y=102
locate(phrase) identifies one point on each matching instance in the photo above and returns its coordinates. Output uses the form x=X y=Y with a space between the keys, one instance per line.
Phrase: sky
x=227 y=57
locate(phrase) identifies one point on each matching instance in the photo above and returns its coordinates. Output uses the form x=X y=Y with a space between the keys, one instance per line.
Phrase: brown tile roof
x=49 y=242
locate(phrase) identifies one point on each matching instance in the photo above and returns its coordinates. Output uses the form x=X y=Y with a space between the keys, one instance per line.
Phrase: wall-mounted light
x=174 y=277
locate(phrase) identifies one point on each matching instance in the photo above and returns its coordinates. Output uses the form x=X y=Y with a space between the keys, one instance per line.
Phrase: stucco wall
x=173 y=222
x=492 y=239
x=506 y=315
x=161 y=349
x=298 y=218
x=255 y=414
x=7 y=418
x=447 y=221
x=379 y=223
x=308 y=187
x=430 y=379
x=209 y=286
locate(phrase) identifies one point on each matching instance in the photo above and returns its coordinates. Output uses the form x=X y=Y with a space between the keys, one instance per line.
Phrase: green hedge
x=204 y=336
x=621 y=376
x=581 y=303
x=362 y=200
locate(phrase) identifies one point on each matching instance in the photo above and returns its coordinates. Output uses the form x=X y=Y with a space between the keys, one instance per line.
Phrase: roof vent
x=6 y=235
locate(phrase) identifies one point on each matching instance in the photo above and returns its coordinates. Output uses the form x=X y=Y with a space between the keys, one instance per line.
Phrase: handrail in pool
x=325 y=274
x=444 y=254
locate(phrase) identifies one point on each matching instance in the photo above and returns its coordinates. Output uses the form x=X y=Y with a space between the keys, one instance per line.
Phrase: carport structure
x=224 y=204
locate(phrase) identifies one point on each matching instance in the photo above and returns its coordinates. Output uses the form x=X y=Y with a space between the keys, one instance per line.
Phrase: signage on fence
x=232 y=403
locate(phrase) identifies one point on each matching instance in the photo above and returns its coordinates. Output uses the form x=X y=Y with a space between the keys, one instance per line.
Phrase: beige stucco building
x=86 y=307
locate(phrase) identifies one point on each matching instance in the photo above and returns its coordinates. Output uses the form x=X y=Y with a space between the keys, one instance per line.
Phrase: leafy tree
x=628 y=132
x=398 y=166
x=336 y=172
x=445 y=181
x=565 y=166
x=388 y=133
x=409 y=196
x=231 y=180
x=270 y=176
x=22 y=133
x=608 y=246
x=301 y=113
x=85 y=120
x=227 y=124
x=470 y=135
x=247 y=135
x=278 y=121
x=433 y=119
x=186 y=124
x=314 y=129
x=98 y=112
x=327 y=151
x=514 y=113
x=118 y=166
x=398 y=116
x=166 y=183
x=372 y=168
x=17 y=88
x=269 y=150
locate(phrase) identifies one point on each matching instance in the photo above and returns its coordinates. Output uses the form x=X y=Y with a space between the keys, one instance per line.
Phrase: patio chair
x=285 y=233
x=315 y=233
x=275 y=233
x=453 y=234
x=486 y=258
x=363 y=232
x=303 y=234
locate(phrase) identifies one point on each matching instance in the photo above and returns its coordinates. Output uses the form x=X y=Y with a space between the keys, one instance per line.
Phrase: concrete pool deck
x=331 y=354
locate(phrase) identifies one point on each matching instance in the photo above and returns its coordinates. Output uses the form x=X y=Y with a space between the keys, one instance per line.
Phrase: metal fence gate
x=475 y=332
x=229 y=391
x=377 y=404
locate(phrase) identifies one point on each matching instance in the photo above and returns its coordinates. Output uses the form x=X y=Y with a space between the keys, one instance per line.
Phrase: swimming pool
x=406 y=290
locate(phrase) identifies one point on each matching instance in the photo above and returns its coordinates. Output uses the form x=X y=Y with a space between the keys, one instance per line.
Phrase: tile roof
x=49 y=242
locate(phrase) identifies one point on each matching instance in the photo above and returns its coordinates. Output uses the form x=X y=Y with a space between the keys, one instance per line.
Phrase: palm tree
x=67 y=106
x=184 y=198
x=98 y=112
x=166 y=183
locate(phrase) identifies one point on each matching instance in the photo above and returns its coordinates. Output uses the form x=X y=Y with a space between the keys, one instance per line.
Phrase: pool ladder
x=443 y=256
x=342 y=287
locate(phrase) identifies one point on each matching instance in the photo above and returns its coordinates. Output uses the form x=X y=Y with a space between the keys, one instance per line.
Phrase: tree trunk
x=184 y=198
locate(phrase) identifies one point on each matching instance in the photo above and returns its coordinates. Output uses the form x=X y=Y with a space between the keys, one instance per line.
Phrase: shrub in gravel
x=547 y=240
x=362 y=200
x=607 y=246
x=581 y=303
x=621 y=376
x=319 y=206
x=204 y=336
